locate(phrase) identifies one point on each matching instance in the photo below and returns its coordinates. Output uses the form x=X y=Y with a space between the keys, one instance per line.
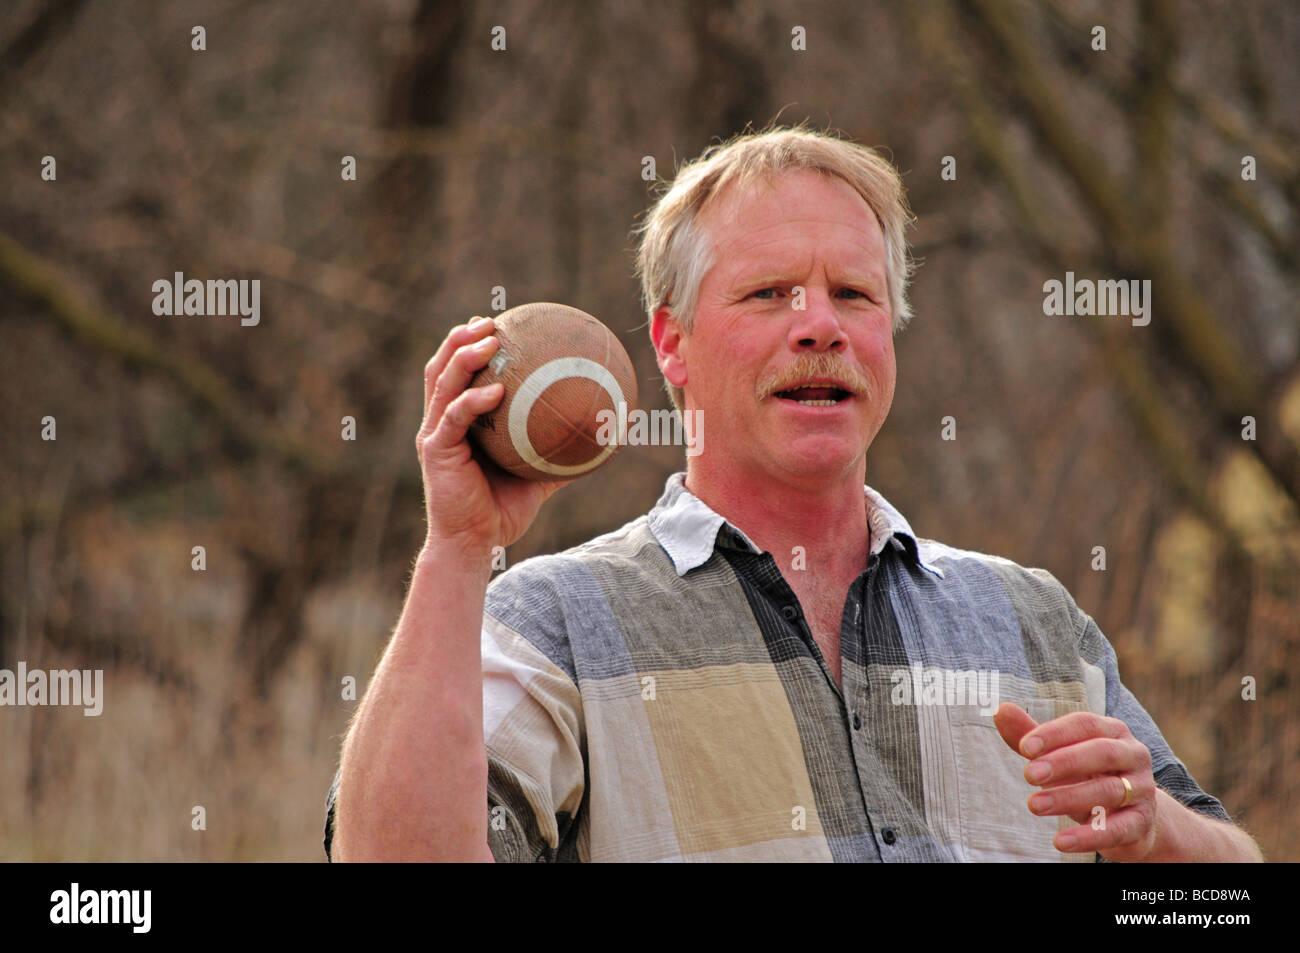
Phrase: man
x=769 y=665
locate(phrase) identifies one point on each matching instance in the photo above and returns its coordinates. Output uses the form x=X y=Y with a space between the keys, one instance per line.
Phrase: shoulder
x=550 y=599
x=1035 y=594
x=632 y=550
x=548 y=580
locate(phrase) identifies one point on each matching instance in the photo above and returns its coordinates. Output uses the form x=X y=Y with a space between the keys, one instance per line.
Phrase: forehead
x=799 y=213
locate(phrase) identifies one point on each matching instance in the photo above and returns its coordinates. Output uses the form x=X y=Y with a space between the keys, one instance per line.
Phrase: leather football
x=569 y=388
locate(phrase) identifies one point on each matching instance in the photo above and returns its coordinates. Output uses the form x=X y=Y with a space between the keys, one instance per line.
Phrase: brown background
x=523 y=169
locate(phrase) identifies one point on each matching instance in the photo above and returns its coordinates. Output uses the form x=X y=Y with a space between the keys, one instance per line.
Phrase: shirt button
x=888 y=836
x=857 y=722
x=790 y=612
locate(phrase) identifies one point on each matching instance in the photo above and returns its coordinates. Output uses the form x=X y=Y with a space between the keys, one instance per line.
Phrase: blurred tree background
x=522 y=168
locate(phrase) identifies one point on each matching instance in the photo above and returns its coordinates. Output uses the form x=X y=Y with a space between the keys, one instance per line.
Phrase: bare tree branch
x=1209 y=351
x=1126 y=365
x=53 y=19
x=39 y=282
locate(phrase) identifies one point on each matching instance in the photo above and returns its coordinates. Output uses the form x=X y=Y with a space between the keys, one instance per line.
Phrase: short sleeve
x=532 y=722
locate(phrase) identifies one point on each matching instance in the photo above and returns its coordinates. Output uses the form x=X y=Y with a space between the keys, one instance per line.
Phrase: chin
x=817 y=457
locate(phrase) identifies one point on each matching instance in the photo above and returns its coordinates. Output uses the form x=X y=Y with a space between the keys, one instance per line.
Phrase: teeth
x=818 y=403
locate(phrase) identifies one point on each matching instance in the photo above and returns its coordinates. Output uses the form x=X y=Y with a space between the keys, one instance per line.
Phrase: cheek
x=876 y=352
x=730 y=359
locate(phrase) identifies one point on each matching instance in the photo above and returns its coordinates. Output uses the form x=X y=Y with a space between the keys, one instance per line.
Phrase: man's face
x=792 y=388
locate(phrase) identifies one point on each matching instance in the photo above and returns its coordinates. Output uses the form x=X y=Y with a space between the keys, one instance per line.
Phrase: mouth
x=816 y=394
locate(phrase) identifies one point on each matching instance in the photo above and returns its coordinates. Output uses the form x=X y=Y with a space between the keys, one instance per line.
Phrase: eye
x=767 y=294
x=855 y=293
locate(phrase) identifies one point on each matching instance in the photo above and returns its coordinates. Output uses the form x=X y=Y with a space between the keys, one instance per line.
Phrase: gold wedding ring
x=1128 y=792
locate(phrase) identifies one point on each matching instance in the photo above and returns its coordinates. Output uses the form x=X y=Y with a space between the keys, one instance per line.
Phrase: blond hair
x=675 y=251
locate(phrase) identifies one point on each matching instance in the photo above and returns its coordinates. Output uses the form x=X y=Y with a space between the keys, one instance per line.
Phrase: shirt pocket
x=992 y=793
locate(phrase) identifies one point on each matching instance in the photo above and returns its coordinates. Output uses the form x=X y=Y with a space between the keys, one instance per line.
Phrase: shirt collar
x=688 y=529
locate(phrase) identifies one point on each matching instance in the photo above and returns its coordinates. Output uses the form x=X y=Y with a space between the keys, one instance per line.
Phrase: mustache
x=812 y=366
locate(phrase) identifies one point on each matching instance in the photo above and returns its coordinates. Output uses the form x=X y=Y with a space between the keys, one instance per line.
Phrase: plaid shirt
x=656 y=694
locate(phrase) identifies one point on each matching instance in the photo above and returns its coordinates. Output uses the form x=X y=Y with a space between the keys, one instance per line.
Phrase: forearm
x=413 y=782
x=1184 y=835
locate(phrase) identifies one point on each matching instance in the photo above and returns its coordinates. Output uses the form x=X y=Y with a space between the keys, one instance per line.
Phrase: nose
x=817 y=325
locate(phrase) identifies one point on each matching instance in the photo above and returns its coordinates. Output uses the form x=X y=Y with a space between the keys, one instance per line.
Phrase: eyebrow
x=766 y=278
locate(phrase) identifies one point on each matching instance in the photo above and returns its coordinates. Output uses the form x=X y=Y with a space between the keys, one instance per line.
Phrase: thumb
x=1013 y=723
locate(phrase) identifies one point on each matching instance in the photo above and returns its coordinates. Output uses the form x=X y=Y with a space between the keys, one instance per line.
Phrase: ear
x=669 y=341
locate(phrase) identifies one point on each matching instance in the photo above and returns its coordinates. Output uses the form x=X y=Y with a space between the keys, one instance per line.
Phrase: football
x=569 y=386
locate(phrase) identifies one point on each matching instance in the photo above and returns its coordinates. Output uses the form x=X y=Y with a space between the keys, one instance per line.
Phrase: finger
x=458 y=337
x=1070 y=729
x=457 y=375
x=1078 y=800
x=460 y=413
x=1012 y=723
x=1128 y=826
x=1080 y=761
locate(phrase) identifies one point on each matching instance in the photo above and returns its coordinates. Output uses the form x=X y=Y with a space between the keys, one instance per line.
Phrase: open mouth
x=821 y=396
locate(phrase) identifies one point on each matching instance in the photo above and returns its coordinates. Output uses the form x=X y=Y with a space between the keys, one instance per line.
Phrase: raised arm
x=413 y=778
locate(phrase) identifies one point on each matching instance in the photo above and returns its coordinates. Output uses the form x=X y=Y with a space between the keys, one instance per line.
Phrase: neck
x=826 y=516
